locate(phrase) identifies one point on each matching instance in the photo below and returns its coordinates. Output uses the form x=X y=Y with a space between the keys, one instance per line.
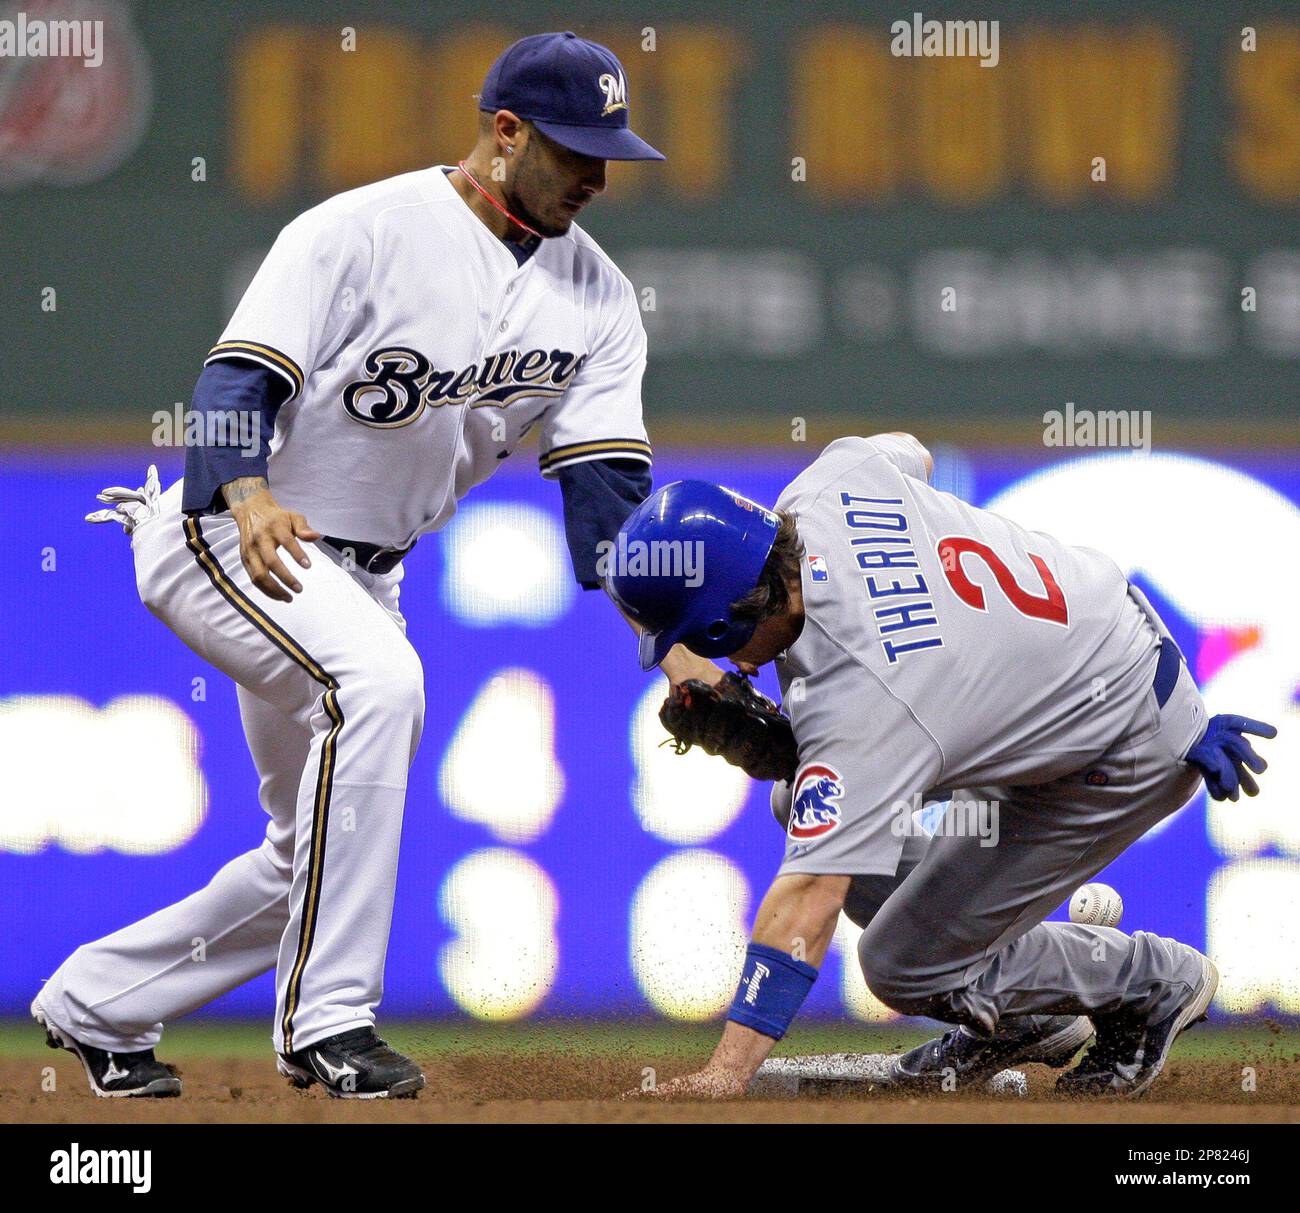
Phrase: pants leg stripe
x=325 y=773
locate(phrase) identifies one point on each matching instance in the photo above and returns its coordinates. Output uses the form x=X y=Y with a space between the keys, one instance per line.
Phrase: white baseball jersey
x=943 y=646
x=419 y=353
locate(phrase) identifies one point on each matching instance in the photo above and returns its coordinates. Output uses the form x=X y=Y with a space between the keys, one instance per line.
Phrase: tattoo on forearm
x=243 y=488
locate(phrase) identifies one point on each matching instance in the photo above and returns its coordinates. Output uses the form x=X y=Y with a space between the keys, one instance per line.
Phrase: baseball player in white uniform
x=396 y=345
x=928 y=650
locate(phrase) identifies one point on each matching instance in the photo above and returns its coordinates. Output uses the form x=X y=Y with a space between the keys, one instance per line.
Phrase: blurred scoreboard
x=556 y=858
x=1105 y=215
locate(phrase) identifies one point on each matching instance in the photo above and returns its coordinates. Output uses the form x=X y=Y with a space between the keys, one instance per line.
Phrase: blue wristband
x=772 y=988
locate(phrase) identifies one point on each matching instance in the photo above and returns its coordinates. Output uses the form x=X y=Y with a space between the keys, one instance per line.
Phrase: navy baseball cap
x=571 y=90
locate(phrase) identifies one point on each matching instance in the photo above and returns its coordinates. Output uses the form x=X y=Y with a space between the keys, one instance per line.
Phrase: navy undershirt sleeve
x=236 y=400
x=598 y=497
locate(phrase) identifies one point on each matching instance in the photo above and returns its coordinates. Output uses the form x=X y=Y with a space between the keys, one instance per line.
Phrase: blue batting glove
x=1223 y=755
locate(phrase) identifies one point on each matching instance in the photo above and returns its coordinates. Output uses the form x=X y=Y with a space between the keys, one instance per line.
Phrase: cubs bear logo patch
x=815 y=807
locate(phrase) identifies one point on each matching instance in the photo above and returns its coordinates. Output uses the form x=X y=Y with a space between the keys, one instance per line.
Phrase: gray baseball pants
x=958 y=934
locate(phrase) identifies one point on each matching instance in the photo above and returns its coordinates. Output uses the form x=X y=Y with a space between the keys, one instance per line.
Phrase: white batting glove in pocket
x=131 y=507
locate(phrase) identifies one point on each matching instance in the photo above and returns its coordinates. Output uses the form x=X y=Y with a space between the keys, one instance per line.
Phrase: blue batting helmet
x=683 y=556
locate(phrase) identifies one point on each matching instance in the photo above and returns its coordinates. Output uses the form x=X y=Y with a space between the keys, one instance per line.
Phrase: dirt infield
x=573 y=1081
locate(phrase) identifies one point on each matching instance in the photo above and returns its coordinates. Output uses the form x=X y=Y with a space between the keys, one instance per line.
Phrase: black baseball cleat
x=114 y=1075
x=353 y=1065
x=960 y=1059
x=1128 y=1055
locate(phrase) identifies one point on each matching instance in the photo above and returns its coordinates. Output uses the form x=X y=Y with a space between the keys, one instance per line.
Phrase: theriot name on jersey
x=903 y=608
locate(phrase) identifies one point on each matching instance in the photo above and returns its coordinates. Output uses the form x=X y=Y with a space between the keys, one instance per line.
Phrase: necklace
x=513 y=219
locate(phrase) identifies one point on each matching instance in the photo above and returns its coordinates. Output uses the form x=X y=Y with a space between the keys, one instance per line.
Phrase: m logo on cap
x=615 y=90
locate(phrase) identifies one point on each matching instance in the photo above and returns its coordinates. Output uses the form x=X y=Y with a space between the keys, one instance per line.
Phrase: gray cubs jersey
x=943 y=646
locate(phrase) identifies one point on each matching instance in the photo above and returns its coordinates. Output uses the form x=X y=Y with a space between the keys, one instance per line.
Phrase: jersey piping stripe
x=209 y=563
x=575 y=452
x=264 y=354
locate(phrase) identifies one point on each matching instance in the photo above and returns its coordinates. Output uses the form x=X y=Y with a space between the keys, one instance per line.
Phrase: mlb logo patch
x=743 y=502
x=817 y=567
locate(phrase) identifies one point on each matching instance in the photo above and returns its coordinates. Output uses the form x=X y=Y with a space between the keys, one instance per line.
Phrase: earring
x=510 y=149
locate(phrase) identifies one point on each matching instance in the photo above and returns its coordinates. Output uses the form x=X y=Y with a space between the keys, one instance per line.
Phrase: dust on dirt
x=557 y=1086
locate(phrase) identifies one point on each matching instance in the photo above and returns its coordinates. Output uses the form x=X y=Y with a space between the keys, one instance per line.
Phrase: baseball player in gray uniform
x=929 y=650
x=396 y=345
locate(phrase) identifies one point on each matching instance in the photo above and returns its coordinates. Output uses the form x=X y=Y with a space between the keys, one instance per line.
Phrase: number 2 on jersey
x=1050 y=606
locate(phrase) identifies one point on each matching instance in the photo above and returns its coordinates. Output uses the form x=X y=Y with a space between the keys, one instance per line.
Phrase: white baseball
x=1097 y=905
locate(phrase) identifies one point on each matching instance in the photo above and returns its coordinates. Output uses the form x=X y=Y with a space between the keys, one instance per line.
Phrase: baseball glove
x=735 y=721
